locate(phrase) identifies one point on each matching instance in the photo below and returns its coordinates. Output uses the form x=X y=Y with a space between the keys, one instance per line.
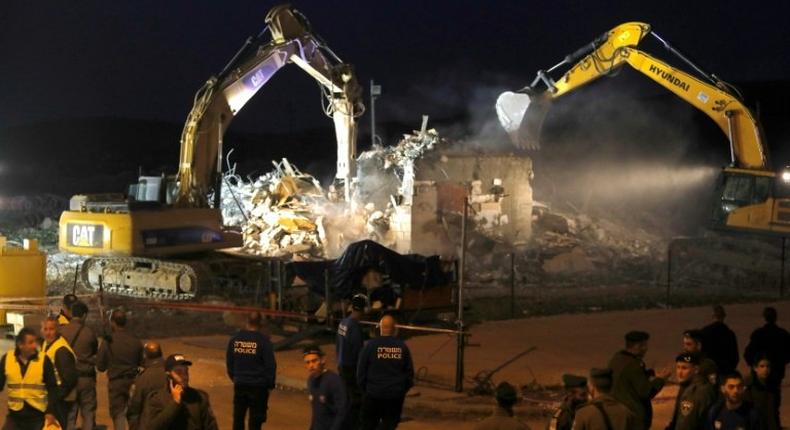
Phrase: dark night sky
x=145 y=58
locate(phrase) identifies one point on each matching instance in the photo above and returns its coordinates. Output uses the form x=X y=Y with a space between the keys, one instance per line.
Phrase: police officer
x=695 y=394
x=65 y=311
x=31 y=381
x=733 y=413
x=347 y=347
x=62 y=357
x=85 y=345
x=151 y=378
x=251 y=367
x=603 y=412
x=576 y=395
x=503 y=419
x=328 y=397
x=633 y=384
x=385 y=373
x=120 y=355
x=693 y=344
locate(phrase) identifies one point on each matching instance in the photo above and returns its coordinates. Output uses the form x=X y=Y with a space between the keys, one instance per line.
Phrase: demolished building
x=422 y=183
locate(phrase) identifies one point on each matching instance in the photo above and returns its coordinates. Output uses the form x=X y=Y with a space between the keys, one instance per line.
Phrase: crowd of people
x=712 y=394
x=50 y=377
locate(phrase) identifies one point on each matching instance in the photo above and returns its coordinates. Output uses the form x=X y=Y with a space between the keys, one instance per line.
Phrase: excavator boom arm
x=223 y=96
x=617 y=48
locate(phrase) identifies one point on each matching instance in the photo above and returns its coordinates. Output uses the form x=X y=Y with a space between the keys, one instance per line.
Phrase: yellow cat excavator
x=750 y=196
x=152 y=242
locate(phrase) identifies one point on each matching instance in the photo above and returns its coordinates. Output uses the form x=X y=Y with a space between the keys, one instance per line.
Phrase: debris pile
x=570 y=250
x=285 y=213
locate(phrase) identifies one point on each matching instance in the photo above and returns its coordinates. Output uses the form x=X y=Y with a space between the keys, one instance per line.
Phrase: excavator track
x=209 y=276
x=143 y=277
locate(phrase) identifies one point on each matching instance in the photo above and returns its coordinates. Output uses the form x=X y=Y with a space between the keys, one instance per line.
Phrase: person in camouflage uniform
x=695 y=394
x=576 y=395
x=603 y=412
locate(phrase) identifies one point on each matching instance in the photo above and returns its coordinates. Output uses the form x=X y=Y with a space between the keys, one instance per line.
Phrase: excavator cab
x=160 y=190
x=752 y=200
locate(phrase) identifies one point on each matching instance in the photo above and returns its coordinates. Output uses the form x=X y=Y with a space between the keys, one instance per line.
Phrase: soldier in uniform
x=85 y=345
x=576 y=395
x=150 y=379
x=692 y=344
x=64 y=317
x=695 y=395
x=603 y=412
x=633 y=384
x=120 y=355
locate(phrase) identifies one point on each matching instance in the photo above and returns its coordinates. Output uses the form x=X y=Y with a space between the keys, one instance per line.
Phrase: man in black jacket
x=177 y=406
x=760 y=395
x=385 y=374
x=328 y=398
x=85 y=344
x=252 y=368
x=733 y=412
x=720 y=343
x=120 y=355
x=152 y=378
x=774 y=341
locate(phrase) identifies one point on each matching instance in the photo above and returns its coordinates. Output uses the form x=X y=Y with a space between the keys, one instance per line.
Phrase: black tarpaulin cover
x=345 y=273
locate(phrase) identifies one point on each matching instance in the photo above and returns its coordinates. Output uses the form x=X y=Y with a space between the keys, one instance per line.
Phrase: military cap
x=571 y=381
x=506 y=392
x=636 y=336
x=687 y=357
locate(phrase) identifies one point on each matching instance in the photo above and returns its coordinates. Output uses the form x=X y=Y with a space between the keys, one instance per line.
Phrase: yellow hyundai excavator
x=750 y=196
x=153 y=241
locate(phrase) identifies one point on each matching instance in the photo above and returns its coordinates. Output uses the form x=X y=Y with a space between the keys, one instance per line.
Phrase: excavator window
x=737 y=190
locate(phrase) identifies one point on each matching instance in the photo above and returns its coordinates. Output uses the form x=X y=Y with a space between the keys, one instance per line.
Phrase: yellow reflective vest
x=50 y=351
x=29 y=388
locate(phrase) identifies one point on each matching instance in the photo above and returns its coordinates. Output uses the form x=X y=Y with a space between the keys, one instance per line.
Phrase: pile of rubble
x=570 y=249
x=398 y=161
x=573 y=244
x=286 y=213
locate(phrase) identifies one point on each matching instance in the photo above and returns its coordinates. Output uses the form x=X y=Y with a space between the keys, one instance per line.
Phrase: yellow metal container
x=23 y=271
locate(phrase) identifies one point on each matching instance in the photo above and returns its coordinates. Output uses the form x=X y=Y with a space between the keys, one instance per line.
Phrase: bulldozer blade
x=522 y=116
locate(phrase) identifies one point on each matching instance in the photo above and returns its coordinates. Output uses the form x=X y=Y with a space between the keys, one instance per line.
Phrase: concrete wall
x=515 y=172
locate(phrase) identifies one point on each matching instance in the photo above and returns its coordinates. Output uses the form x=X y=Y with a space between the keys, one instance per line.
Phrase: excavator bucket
x=521 y=115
